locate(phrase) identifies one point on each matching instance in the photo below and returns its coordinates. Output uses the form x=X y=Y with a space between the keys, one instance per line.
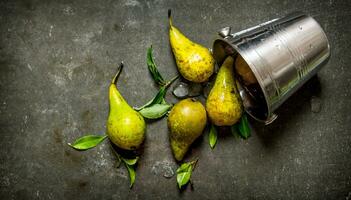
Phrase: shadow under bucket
x=273 y=60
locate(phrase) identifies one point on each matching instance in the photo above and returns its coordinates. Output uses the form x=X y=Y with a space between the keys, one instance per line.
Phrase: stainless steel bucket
x=282 y=55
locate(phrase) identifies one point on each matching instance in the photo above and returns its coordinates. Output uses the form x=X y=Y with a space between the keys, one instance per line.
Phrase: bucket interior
x=250 y=90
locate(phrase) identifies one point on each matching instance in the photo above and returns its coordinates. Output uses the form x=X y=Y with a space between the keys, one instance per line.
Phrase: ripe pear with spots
x=195 y=62
x=223 y=104
x=186 y=122
x=125 y=126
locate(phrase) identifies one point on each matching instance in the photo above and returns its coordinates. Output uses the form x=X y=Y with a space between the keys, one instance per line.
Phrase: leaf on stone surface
x=130 y=165
x=213 y=136
x=153 y=69
x=163 y=101
x=87 y=142
x=128 y=161
x=159 y=98
x=131 y=172
x=155 y=111
x=184 y=173
x=244 y=127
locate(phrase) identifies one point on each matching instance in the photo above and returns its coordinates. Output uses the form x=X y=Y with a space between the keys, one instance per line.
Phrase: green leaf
x=130 y=161
x=159 y=98
x=153 y=69
x=131 y=172
x=184 y=173
x=145 y=105
x=163 y=101
x=213 y=136
x=243 y=127
x=130 y=165
x=234 y=130
x=155 y=111
x=87 y=142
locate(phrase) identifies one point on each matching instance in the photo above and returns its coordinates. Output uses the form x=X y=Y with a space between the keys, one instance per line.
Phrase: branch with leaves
x=153 y=69
x=91 y=141
x=184 y=173
x=129 y=163
x=157 y=107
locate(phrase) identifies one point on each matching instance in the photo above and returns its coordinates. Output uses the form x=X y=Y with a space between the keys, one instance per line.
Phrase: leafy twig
x=129 y=164
x=184 y=172
x=153 y=69
x=155 y=111
x=159 y=98
x=157 y=107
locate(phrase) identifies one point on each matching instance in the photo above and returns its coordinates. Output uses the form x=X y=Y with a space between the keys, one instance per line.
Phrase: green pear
x=223 y=104
x=195 y=62
x=186 y=122
x=125 y=126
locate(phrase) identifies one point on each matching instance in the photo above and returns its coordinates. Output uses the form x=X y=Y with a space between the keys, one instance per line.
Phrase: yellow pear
x=243 y=70
x=195 y=62
x=223 y=104
x=186 y=122
x=125 y=126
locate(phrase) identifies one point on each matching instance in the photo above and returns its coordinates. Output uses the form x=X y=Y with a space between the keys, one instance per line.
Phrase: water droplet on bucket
x=311 y=46
x=300 y=27
x=181 y=90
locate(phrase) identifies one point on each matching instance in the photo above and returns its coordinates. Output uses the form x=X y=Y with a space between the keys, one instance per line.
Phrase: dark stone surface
x=56 y=61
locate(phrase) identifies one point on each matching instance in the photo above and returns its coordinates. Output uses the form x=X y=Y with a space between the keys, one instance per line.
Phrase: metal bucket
x=282 y=55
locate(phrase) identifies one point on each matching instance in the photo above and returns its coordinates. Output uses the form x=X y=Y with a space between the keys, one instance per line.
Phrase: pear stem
x=120 y=67
x=171 y=81
x=170 y=17
x=193 y=163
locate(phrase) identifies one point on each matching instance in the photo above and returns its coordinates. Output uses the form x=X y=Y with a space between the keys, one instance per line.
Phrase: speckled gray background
x=56 y=61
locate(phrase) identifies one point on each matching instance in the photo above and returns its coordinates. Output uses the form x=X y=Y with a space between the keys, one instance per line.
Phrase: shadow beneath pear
x=152 y=121
x=288 y=112
x=195 y=148
x=186 y=188
x=128 y=154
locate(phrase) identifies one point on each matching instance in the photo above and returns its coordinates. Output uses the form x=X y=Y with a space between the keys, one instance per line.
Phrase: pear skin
x=186 y=122
x=125 y=126
x=195 y=62
x=223 y=104
x=243 y=70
